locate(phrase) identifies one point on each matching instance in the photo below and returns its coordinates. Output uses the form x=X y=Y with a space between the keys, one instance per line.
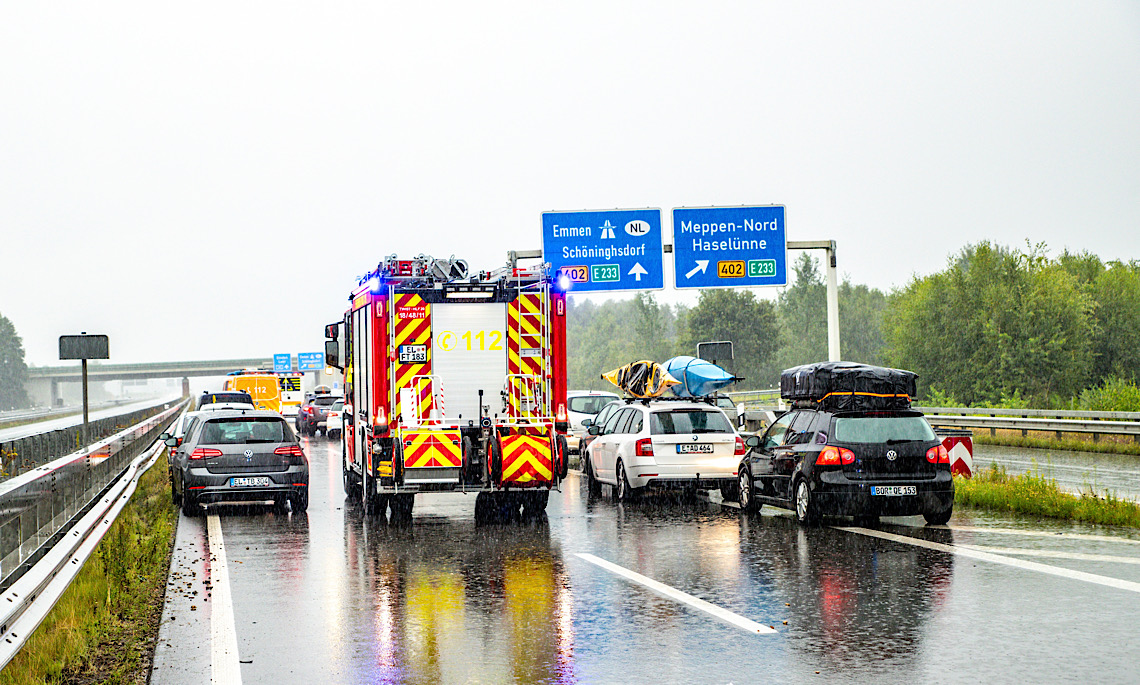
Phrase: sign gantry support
x=832 y=291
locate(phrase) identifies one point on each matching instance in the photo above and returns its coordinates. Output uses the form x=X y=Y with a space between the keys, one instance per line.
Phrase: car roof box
x=848 y=386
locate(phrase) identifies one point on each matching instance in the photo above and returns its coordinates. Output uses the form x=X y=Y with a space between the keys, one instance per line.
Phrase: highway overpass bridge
x=44 y=381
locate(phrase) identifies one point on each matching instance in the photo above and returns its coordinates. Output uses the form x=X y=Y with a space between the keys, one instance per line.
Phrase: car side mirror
x=586 y=423
x=332 y=354
x=594 y=430
x=164 y=436
x=171 y=442
x=753 y=441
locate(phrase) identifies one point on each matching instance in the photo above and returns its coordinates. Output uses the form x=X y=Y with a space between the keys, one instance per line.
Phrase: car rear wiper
x=895 y=441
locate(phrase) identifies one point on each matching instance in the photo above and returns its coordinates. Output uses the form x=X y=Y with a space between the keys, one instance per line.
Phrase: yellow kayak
x=641 y=379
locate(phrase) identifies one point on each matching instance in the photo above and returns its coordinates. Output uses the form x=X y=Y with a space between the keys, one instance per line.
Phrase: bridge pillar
x=185 y=386
x=55 y=398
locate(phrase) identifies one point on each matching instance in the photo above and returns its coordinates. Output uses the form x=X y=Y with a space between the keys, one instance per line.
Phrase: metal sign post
x=84 y=347
x=832 y=292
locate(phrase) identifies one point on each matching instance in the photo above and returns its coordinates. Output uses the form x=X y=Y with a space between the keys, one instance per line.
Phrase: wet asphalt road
x=331 y=597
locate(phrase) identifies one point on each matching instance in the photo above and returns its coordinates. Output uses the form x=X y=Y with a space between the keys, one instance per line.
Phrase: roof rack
x=707 y=399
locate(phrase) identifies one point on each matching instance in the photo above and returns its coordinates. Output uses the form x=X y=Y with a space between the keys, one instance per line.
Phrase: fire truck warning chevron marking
x=432 y=448
x=526 y=459
x=412 y=326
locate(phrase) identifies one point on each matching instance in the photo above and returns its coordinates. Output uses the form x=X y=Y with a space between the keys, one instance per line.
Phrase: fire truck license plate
x=699 y=448
x=413 y=354
x=255 y=482
x=894 y=490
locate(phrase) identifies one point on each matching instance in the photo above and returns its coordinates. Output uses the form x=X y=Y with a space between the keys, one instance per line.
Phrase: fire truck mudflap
x=455 y=383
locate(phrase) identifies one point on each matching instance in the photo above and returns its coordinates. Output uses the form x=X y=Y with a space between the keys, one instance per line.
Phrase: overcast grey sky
x=206 y=180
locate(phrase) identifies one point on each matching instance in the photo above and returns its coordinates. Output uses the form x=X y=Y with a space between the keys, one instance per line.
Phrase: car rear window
x=325 y=401
x=590 y=404
x=338 y=405
x=217 y=397
x=681 y=421
x=242 y=430
x=879 y=429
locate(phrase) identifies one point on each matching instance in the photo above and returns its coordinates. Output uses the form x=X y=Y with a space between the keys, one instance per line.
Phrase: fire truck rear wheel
x=402 y=506
x=534 y=503
x=483 y=507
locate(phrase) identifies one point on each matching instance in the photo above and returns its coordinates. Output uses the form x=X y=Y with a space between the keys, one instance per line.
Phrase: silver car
x=244 y=456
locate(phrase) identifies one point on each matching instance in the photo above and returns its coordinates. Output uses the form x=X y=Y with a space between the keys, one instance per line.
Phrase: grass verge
x=1035 y=494
x=1106 y=445
x=104 y=627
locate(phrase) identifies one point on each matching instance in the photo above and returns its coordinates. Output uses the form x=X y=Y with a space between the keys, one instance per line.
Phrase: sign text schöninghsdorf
x=616 y=249
x=723 y=247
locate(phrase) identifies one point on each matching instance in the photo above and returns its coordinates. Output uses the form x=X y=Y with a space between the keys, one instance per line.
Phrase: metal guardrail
x=27 y=453
x=1056 y=426
x=1034 y=413
x=37 y=506
x=1053 y=421
x=27 y=602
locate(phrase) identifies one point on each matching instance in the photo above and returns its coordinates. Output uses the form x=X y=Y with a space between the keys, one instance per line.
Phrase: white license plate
x=698 y=448
x=894 y=490
x=413 y=354
x=252 y=482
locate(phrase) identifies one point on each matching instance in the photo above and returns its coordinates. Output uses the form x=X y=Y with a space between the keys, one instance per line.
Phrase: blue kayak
x=697 y=377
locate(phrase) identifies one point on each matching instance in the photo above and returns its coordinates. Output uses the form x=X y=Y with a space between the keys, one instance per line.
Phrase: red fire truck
x=453 y=382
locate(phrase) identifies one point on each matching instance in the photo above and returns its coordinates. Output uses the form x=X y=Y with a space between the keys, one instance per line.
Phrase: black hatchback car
x=239 y=455
x=849 y=463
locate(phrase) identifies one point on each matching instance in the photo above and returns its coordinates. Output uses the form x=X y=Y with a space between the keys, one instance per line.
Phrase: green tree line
x=13 y=370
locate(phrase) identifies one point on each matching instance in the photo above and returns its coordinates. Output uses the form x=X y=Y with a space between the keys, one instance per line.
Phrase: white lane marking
x=1055 y=554
x=225 y=668
x=1044 y=534
x=678 y=596
x=998 y=559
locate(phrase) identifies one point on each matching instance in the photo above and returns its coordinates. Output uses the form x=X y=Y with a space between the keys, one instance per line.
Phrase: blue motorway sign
x=310 y=361
x=617 y=249
x=282 y=363
x=724 y=247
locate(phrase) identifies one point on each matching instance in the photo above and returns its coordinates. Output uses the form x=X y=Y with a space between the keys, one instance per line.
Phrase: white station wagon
x=664 y=443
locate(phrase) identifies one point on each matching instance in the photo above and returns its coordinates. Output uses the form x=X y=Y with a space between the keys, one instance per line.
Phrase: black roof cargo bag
x=847 y=386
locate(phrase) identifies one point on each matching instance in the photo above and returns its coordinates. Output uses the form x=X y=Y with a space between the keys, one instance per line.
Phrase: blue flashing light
x=564 y=283
x=374 y=285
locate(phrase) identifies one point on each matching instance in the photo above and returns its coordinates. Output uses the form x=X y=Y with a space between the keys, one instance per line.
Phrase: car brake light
x=833 y=456
x=643 y=448
x=739 y=447
x=205 y=453
x=561 y=415
x=938 y=455
x=290 y=450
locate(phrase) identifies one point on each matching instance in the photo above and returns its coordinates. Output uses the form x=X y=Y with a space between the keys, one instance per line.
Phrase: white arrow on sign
x=701 y=267
x=638 y=271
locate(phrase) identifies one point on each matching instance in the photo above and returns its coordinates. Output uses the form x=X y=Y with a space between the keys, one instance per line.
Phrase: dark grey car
x=235 y=455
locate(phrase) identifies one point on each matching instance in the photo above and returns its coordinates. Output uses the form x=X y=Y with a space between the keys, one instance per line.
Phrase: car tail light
x=938 y=455
x=205 y=453
x=290 y=450
x=644 y=448
x=834 y=456
x=739 y=447
x=561 y=415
